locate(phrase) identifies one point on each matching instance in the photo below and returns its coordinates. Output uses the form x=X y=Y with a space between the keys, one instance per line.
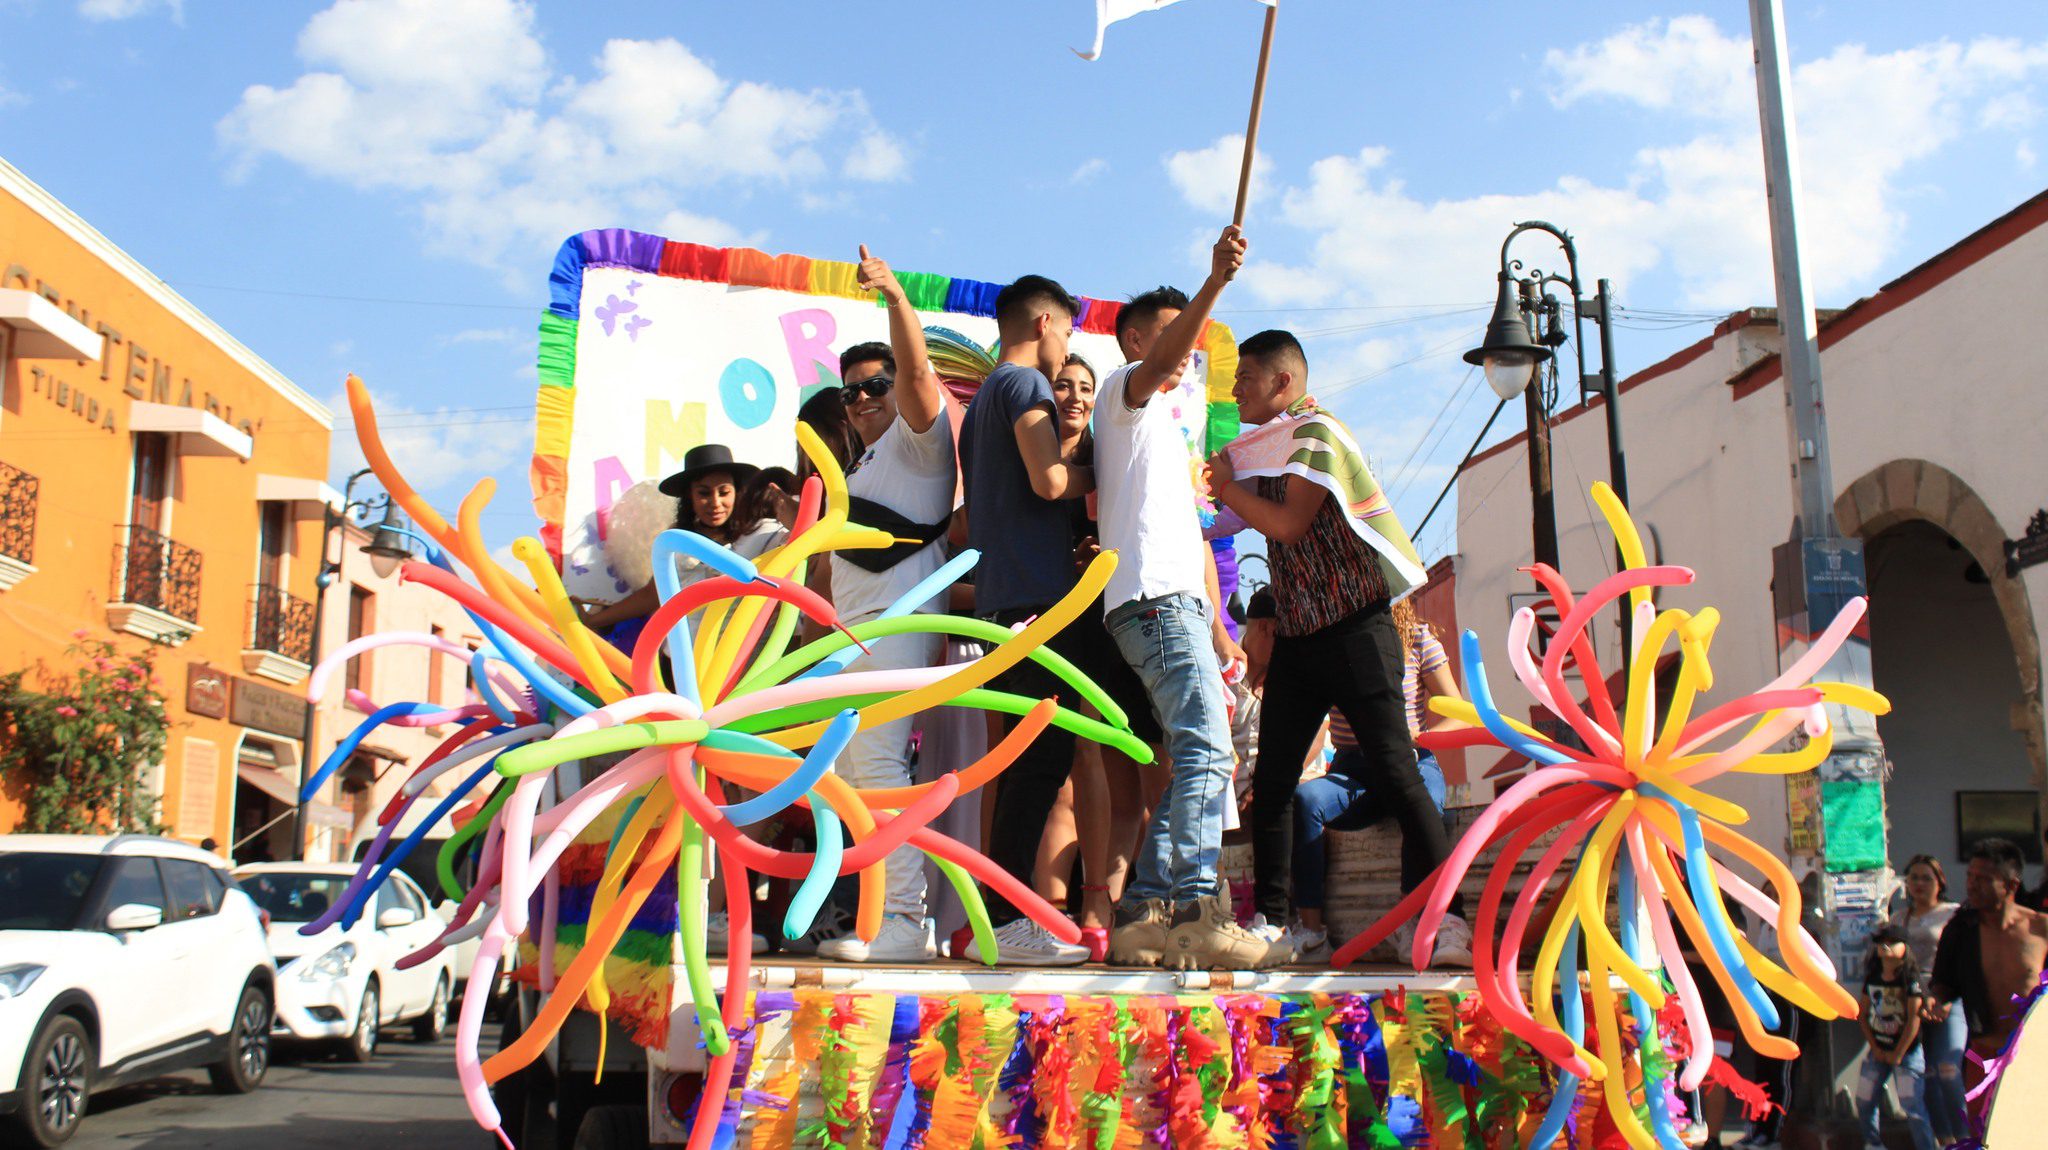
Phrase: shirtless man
x=1992 y=950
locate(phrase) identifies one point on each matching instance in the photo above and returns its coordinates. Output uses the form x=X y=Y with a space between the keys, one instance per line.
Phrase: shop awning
x=199 y=432
x=43 y=331
x=270 y=782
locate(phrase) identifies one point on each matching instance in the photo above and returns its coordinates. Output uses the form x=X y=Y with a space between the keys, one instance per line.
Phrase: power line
x=528 y=308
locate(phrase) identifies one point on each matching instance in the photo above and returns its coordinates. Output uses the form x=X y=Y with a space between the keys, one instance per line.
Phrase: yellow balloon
x=575 y=635
x=1002 y=658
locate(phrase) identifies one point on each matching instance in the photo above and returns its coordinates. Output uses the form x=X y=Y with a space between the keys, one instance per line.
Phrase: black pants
x=1353 y=665
x=1026 y=791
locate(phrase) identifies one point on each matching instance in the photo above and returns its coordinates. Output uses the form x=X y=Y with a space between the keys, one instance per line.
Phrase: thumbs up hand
x=874 y=275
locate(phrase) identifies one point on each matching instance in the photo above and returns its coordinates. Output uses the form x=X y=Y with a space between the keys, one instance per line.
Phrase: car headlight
x=15 y=980
x=333 y=964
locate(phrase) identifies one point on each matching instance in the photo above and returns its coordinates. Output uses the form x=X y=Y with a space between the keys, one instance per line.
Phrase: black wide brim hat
x=703 y=459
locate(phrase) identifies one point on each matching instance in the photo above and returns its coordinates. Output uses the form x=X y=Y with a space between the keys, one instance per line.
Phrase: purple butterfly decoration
x=634 y=324
x=611 y=309
x=633 y=287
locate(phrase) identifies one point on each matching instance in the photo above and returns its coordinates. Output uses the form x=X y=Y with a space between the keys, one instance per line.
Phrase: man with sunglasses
x=903 y=483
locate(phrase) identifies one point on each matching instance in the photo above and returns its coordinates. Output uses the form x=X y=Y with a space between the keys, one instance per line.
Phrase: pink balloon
x=1651 y=890
x=825 y=687
x=1453 y=871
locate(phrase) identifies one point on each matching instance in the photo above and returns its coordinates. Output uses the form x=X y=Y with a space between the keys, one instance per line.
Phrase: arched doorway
x=1939 y=651
x=1953 y=644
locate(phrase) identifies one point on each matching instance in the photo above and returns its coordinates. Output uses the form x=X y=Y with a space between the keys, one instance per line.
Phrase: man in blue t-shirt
x=1015 y=479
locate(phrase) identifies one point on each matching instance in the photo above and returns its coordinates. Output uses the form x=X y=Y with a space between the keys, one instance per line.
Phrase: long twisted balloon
x=1644 y=836
x=551 y=693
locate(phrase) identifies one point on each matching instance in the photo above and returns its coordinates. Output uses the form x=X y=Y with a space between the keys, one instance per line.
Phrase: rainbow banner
x=649 y=347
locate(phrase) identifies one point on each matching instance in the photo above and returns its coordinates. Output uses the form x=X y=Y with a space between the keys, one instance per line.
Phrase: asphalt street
x=407 y=1096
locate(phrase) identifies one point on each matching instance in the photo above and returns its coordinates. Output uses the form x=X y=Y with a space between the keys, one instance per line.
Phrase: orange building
x=159 y=482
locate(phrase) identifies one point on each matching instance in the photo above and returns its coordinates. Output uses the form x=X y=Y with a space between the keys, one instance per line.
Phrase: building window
x=361 y=621
x=150 y=494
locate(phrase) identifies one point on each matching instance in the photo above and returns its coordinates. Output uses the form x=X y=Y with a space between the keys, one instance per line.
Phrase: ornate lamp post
x=387 y=548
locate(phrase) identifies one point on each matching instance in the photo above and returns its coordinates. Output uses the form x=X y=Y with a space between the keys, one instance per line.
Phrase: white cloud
x=455 y=103
x=1207 y=177
x=487 y=335
x=1684 y=64
x=2023 y=155
x=1089 y=170
x=435 y=446
x=1692 y=199
x=102 y=10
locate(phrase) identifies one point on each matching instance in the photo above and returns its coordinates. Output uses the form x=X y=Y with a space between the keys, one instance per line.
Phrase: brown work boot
x=1205 y=936
x=1139 y=938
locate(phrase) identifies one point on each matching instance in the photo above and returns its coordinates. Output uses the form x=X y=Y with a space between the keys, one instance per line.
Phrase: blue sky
x=378 y=185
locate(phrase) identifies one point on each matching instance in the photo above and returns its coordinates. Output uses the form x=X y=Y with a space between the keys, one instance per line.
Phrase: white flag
x=1108 y=12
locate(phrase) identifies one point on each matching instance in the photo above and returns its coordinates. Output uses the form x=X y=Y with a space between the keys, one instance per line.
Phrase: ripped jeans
x=1943 y=1043
x=1907 y=1078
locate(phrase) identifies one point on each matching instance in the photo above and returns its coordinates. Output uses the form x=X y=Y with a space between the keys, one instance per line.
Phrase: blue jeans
x=1943 y=1044
x=1166 y=641
x=1907 y=1077
x=1340 y=801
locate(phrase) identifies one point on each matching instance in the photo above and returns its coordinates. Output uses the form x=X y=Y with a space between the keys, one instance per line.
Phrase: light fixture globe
x=1509 y=354
x=388 y=547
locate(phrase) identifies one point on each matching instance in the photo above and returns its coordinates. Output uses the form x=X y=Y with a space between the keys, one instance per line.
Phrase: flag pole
x=1251 y=131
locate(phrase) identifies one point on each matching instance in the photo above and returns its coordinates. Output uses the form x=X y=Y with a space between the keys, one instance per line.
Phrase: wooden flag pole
x=1251 y=131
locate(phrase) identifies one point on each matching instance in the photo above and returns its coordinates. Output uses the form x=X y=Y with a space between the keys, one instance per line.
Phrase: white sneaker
x=1310 y=945
x=1453 y=943
x=901 y=939
x=832 y=922
x=1403 y=944
x=1025 y=943
x=717 y=926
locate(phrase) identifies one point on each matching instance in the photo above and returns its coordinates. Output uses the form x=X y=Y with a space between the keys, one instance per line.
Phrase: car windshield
x=45 y=891
x=294 y=897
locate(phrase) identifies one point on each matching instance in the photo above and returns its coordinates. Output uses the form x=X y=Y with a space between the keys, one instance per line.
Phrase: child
x=1891 y=999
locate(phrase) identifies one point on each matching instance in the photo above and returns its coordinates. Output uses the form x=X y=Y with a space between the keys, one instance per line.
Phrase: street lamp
x=387 y=548
x=1511 y=354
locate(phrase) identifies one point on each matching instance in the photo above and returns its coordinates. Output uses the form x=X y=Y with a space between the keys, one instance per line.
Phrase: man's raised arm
x=918 y=397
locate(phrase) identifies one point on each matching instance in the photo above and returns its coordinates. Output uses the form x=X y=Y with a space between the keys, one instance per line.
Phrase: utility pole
x=1814 y=575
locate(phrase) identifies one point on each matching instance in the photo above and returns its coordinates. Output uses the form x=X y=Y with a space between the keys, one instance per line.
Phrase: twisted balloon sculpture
x=743 y=711
x=1643 y=831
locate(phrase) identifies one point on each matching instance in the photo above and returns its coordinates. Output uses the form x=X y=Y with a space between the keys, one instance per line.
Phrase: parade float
x=601 y=792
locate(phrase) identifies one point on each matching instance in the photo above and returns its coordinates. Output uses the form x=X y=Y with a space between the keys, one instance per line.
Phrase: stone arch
x=1906 y=490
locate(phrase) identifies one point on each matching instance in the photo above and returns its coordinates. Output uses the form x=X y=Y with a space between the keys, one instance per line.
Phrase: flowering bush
x=82 y=741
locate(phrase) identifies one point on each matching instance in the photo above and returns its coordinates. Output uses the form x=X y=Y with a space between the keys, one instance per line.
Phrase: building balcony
x=156 y=587
x=19 y=493
x=280 y=643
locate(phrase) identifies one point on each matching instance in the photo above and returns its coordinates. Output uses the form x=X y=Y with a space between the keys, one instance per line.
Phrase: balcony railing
x=153 y=571
x=18 y=496
x=281 y=624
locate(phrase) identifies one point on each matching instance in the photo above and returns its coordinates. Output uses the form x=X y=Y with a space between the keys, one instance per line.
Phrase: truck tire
x=522 y=1099
x=613 y=1128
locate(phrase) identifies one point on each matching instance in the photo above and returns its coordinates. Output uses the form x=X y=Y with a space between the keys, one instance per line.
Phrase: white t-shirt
x=912 y=474
x=1145 y=502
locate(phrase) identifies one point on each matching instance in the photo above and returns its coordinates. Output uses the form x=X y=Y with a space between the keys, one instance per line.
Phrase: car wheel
x=248 y=1057
x=56 y=1080
x=361 y=1046
x=429 y=1027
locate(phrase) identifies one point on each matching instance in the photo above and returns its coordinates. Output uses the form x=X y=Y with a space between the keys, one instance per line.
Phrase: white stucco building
x=1936 y=419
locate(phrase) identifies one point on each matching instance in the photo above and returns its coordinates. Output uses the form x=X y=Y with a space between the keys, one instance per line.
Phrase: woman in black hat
x=717 y=499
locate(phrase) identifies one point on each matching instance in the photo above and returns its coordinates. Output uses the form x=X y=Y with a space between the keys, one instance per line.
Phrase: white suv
x=123 y=958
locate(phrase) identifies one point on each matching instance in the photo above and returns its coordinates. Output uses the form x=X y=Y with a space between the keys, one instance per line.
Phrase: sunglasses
x=874 y=387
